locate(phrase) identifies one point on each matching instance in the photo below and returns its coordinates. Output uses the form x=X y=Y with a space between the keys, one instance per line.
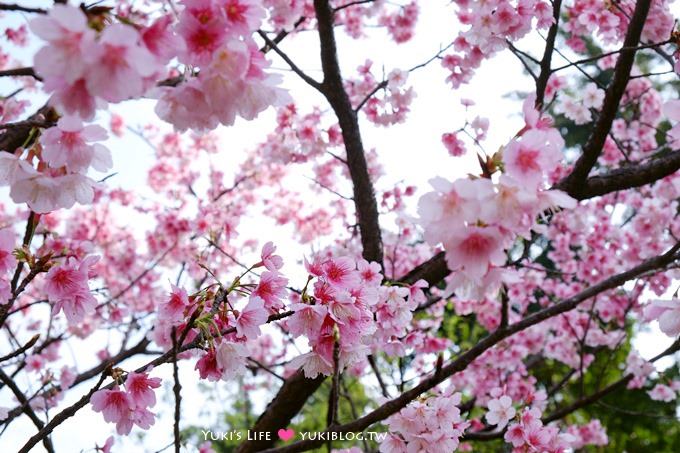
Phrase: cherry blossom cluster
x=491 y=24
x=68 y=289
x=129 y=407
x=433 y=425
x=609 y=21
x=67 y=150
x=336 y=314
x=497 y=231
x=529 y=434
x=477 y=219
x=231 y=79
x=392 y=106
x=84 y=68
x=229 y=331
x=476 y=130
x=579 y=108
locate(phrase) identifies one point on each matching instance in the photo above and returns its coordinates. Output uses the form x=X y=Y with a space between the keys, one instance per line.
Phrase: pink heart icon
x=286 y=434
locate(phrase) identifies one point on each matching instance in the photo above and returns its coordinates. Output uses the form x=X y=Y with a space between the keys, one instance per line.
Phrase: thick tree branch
x=333 y=89
x=289 y=400
x=626 y=177
x=593 y=147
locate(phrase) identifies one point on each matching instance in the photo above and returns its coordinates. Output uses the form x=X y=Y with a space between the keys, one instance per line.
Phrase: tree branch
x=593 y=147
x=21 y=350
x=176 y=389
x=271 y=44
x=20 y=72
x=23 y=9
x=334 y=91
x=544 y=75
x=61 y=417
x=27 y=409
x=626 y=177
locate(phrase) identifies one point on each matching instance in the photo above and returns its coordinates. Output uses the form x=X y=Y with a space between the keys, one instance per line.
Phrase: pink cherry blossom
x=474 y=249
x=662 y=392
x=306 y=320
x=114 y=404
x=68 y=145
x=271 y=288
x=530 y=158
x=242 y=16
x=251 y=318
x=667 y=312
x=500 y=411
x=207 y=367
x=230 y=357
x=67 y=286
x=174 y=309
x=454 y=145
x=269 y=260
x=118 y=64
x=140 y=387
x=7 y=244
x=69 y=39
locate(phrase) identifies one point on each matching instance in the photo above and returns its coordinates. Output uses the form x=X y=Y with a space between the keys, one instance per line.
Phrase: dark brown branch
x=520 y=56
x=310 y=81
x=176 y=389
x=606 y=54
x=60 y=418
x=334 y=91
x=463 y=360
x=22 y=349
x=19 y=136
x=20 y=72
x=31 y=224
x=350 y=4
x=26 y=407
x=19 y=8
x=544 y=75
x=289 y=400
x=432 y=271
x=282 y=35
x=626 y=177
x=593 y=147
x=332 y=415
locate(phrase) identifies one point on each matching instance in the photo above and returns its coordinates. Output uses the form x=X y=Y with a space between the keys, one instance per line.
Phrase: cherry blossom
x=500 y=411
x=667 y=312
x=250 y=318
x=550 y=239
x=67 y=145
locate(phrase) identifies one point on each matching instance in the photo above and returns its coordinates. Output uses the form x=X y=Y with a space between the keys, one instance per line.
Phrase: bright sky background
x=411 y=152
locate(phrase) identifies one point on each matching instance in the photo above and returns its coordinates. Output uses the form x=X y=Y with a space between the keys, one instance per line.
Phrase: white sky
x=411 y=152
